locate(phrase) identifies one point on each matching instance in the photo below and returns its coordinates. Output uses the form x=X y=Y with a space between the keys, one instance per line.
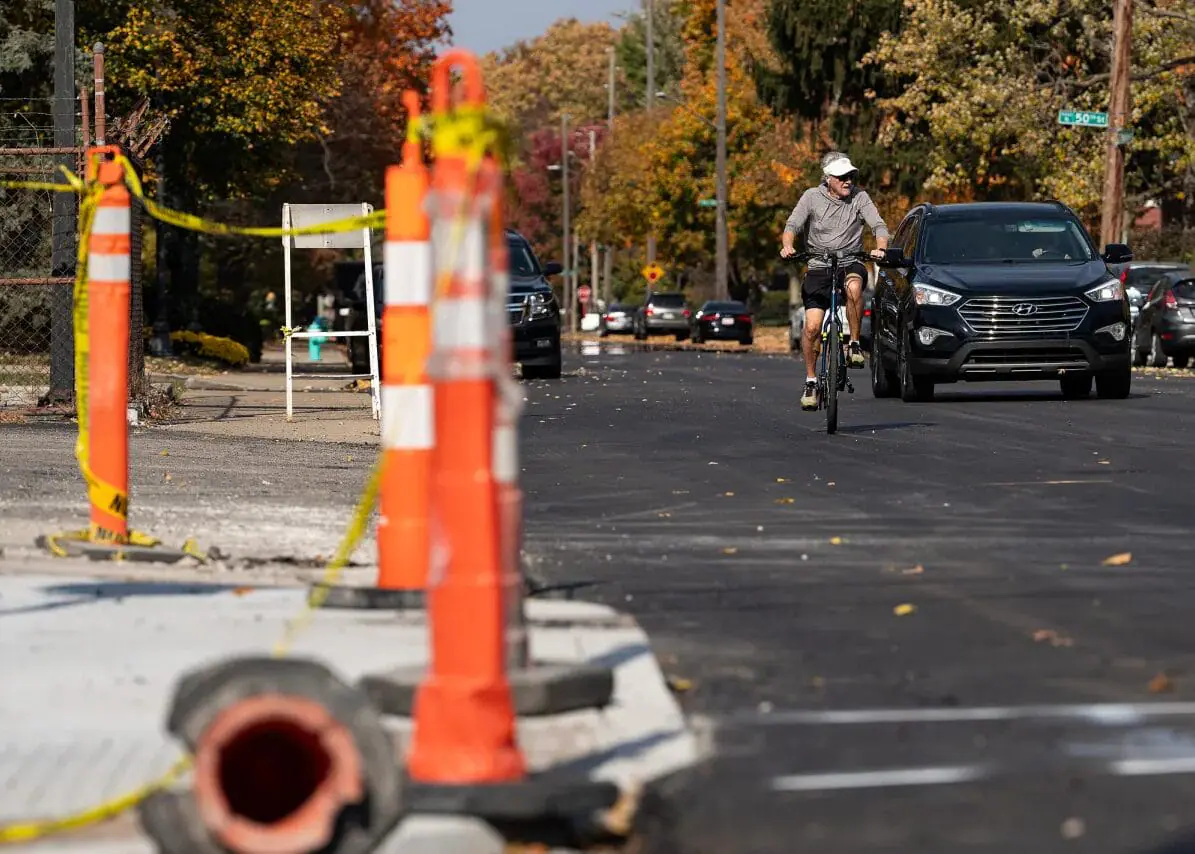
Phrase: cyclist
x=832 y=215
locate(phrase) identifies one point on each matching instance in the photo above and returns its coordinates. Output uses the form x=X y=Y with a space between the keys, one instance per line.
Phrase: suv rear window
x=996 y=238
x=668 y=300
x=1185 y=290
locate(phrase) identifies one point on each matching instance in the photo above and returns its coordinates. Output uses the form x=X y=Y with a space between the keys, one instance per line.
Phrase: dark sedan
x=722 y=320
x=1165 y=327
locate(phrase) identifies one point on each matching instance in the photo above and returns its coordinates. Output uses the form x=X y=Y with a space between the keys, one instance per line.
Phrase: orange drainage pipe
x=108 y=269
x=272 y=774
x=464 y=723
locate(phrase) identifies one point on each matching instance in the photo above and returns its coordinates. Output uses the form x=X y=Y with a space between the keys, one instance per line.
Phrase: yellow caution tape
x=480 y=138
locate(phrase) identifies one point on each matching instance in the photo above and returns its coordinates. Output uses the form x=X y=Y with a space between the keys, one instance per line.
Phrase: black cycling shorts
x=815 y=290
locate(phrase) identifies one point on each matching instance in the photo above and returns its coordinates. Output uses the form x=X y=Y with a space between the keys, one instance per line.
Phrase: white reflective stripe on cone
x=408 y=272
x=460 y=248
x=506 y=453
x=460 y=324
x=407 y=418
x=111 y=220
x=108 y=268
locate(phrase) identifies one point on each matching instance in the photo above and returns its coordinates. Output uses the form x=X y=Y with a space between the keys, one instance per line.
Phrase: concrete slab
x=91 y=663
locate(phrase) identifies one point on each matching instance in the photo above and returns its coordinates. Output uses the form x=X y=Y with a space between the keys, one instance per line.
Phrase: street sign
x=583 y=293
x=1082 y=119
x=653 y=273
x=707 y=203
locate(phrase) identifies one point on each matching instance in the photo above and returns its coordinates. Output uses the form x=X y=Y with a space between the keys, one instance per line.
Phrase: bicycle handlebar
x=830 y=256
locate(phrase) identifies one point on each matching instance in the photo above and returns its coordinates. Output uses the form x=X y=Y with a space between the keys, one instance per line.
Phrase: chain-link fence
x=36 y=342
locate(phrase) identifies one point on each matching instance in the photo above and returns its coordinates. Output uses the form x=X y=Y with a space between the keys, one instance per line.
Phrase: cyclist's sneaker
x=809 y=398
x=855 y=355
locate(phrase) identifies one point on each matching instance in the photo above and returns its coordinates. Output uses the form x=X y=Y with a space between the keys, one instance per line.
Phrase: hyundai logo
x=1024 y=309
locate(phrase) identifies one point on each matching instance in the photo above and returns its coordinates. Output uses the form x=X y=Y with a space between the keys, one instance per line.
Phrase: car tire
x=747 y=340
x=1157 y=356
x=1114 y=385
x=1076 y=386
x=884 y=381
x=913 y=389
x=1181 y=361
x=682 y=336
x=697 y=339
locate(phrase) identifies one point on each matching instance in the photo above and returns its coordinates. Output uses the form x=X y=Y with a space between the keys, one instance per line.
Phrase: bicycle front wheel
x=833 y=365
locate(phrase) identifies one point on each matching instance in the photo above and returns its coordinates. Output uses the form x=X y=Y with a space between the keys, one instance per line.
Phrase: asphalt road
x=768 y=562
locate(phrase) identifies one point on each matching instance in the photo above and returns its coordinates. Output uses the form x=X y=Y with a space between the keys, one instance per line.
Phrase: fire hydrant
x=316 y=341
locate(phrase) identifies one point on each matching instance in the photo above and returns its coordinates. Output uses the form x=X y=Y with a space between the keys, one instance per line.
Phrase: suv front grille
x=1025 y=358
x=1016 y=317
x=517 y=308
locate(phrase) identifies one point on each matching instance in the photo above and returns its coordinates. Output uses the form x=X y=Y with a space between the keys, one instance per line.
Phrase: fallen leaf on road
x=350 y=458
x=1055 y=639
x=169 y=477
x=785 y=500
x=679 y=685
x=1119 y=559
x=728 y=494
x=915 y=570
x=831 y=483
x=1073 y=828
x=783 y=480
x=1104 y=463
x=730 y=551
x=664 y=515
x=241 y=591
x=1160 y=684
x=904 y=610
x=836 y=541
x=164 y=453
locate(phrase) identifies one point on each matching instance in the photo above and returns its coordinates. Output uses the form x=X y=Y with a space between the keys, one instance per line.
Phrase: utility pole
x=594 y=293
x=651 y=102
x=722 y=251
x=566 y=226
x=1119 y=117
x=610 y=91
x=63 y=209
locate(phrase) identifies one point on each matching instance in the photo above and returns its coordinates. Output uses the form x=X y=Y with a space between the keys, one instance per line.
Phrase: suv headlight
x=1108 y=291
x=929 y=295
x=542 y=305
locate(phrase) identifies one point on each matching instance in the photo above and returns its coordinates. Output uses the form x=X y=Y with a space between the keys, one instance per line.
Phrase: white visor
x=839 y=167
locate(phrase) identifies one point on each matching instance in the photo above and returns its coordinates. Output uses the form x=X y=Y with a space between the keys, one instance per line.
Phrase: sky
x=485 y=25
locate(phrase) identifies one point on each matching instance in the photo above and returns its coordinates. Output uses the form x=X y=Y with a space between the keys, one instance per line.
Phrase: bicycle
x=832 y=376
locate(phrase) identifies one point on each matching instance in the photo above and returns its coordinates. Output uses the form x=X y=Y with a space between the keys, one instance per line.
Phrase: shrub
x=206 y=346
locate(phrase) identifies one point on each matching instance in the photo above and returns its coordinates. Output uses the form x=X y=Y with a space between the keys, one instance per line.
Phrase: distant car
x=663 y=314
x=716 y=321
x=616 y=319
x=1138 y=277
x=999 y=291
x=1166 y=326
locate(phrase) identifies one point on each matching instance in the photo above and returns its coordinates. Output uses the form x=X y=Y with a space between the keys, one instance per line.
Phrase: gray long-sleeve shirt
x=834 y=225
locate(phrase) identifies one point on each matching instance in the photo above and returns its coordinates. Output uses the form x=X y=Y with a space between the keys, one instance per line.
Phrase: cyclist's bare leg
x=811 y=340
x=854 y=305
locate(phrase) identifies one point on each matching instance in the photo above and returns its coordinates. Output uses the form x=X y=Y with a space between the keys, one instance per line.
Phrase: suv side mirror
x=553 y=268
x=1117 y=253
x=894 y=257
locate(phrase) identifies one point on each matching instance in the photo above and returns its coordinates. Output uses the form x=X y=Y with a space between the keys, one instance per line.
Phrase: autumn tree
x=985 y=81
x=563 y=71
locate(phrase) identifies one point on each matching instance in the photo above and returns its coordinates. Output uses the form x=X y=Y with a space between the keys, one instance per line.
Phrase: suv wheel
x=913 y=389
x=1114 y=385
x=1075 y=386
x=1157 y=356
x=1181 y=361
x=884 y=381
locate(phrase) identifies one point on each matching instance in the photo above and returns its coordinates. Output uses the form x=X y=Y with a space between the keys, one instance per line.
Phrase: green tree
x=985 y=80
x=668 y=17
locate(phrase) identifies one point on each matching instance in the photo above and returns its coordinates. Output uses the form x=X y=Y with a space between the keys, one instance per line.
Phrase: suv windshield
x=522 y=261
x=668 y=300
x=996 y=238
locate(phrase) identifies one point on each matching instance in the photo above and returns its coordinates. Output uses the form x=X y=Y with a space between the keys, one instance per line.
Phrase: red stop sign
x=583 y=293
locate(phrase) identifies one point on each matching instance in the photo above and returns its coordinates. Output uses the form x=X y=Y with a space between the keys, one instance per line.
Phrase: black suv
x=999 y=291
x=532 y=310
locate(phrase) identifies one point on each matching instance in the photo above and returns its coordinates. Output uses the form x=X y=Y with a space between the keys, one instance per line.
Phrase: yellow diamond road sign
x=653 y=272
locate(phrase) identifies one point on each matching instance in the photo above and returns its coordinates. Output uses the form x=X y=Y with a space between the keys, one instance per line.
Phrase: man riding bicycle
x=832 y=215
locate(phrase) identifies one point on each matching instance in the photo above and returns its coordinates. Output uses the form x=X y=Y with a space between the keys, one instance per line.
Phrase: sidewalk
x=251 y=403
x=90 y=666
